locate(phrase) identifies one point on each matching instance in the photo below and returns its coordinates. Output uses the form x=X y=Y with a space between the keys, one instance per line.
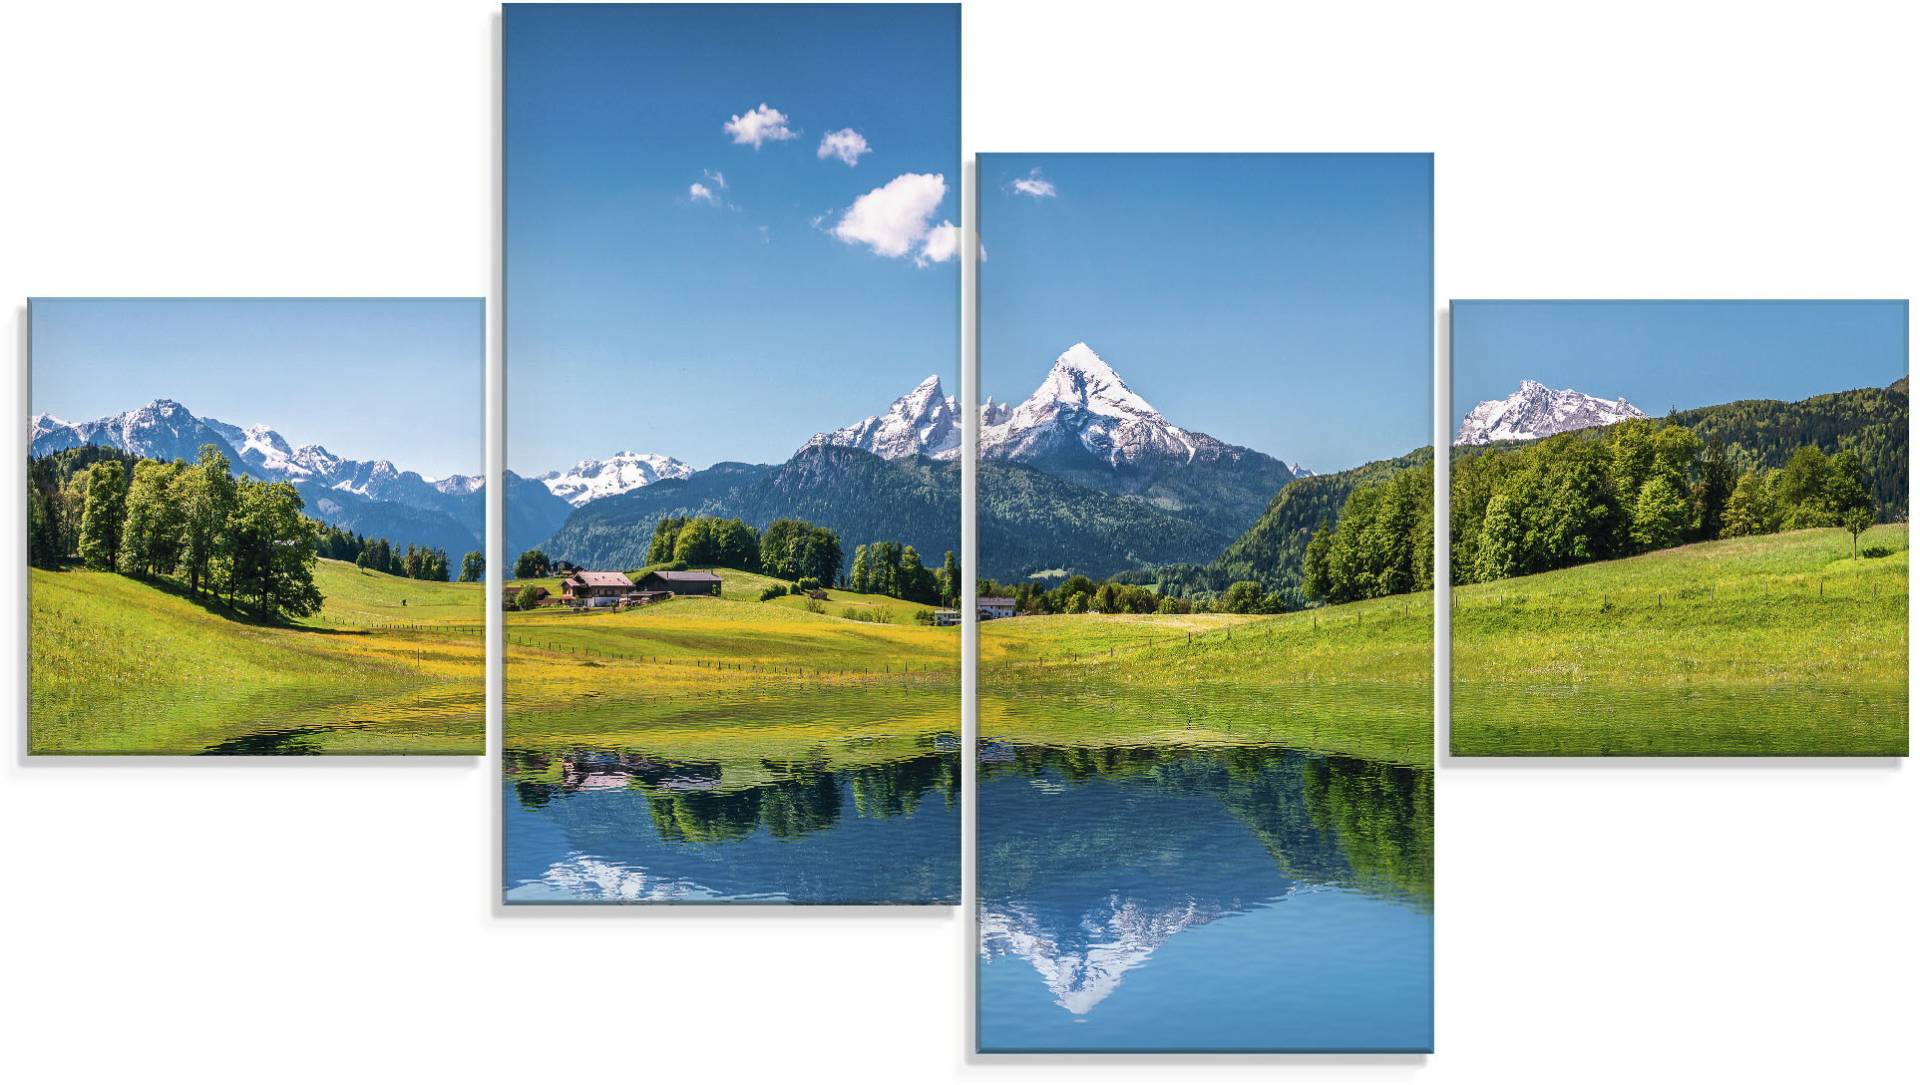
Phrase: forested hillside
x=1272 y=550
x=855 y=494
x=1029 y=518
x=1869 y=422
x=1642 y=485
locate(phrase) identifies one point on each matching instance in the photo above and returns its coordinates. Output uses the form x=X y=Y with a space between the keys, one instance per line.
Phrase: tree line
x=889 y=568
x=789 y=549
x=381 y=556
x=1078 y=594
x=1869 y=422
x=233 y=538
x=236 y=539
x=1382 y=544
x=1633 y=487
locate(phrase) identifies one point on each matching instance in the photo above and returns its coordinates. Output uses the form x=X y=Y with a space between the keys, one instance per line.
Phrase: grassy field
x=1354 y=680
x=750 y=685
x=1780 y=644
x=127 y=666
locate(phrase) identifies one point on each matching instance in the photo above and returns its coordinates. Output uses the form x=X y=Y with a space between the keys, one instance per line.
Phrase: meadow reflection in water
x=1180 y=898
x=621 y=825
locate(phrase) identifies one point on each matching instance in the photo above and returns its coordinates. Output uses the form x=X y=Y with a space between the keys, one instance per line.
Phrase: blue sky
x=1663 y=355
x=1282 y=302
x=732 y=321
x=401 y=379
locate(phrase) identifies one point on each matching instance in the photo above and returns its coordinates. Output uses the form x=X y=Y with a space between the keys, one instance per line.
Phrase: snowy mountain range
x=590 y=480
x=359 y=495
x=161 y=430
x=924 y=422
x=1183 y=494
x=1534 y=410
x=166 y=430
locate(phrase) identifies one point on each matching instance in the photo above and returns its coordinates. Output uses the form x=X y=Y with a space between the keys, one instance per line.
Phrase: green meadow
x=1774 y=644
x=1352 y=680
x=388 y=665
x=850 y=681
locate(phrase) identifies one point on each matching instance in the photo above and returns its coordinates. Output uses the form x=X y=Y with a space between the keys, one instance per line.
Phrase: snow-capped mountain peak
x=1083 y=400
x=1080 y=378
x=44 y=423
x=163 y=430
x=365 y=479
x=1534 y=410
x=1082 y=967
x=261 y=447
x=924 y=422
x=316 y=460
x=590 y=479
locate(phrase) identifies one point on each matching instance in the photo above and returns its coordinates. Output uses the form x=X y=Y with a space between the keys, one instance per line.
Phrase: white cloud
x=757 y=126
x=719 y=179
x=941 y=244
x=701 y=193
x=1034 y=185
x=892 y=219
x=847 y=145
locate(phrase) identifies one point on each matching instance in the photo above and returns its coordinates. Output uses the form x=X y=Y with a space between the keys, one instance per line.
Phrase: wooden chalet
x=595 y=589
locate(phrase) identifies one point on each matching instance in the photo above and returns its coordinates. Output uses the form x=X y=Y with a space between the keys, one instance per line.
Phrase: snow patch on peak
x=1081 y=378
x=1535 y=411
x=44 y=424
x=315 y=459
x=924 y=422
x=261 y=447
x=1082 y=399
x=591 y=480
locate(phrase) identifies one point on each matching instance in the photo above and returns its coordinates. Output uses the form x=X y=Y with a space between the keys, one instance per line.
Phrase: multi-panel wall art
x=256 y=526
x=1679 y=527
x=733 y=488
x=1205 y=766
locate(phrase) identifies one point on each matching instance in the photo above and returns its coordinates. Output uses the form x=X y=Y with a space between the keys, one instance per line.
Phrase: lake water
x=1185 y=899
x=621 y=826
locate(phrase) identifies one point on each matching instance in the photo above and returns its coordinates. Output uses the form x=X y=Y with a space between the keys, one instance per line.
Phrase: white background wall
x=303 y=921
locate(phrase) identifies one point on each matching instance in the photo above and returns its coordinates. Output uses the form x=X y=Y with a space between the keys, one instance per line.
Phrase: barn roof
x=994 y=601
x=601 y=580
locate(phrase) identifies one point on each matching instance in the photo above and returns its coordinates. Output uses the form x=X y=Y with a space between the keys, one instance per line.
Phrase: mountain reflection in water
x=622 y=825
x=1203 y=899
